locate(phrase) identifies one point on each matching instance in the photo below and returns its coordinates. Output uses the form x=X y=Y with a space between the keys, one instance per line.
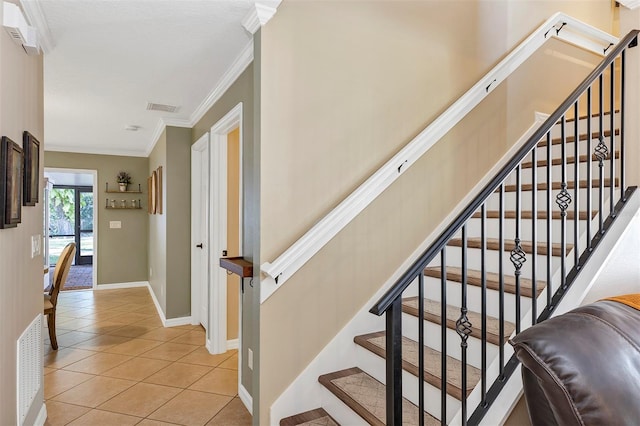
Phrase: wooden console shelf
x=238 y=266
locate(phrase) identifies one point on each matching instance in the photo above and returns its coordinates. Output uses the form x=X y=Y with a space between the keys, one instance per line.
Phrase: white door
x=200 y=232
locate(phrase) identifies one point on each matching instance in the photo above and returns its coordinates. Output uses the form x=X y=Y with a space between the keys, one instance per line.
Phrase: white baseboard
x=171 y=322
x=174 y=322
x=246 y=399
x=42 y=416
x=233 y=344
x=122 y=285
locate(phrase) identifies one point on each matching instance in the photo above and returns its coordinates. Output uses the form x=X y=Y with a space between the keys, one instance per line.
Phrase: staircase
x=503 y=265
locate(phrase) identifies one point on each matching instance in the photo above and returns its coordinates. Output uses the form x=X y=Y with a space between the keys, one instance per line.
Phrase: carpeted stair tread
x=375 y=342
x=570 y=160
x=432 y=310
x=367 y=397
x=528 y=214
x=317 y=417
x=542 y=186
x=527 y=246
x=474 y=278
x=583 y=137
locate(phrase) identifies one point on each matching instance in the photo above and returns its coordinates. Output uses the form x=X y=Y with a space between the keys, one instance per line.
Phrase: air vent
x=132 y=128
x=161 y=107
x=29 y=372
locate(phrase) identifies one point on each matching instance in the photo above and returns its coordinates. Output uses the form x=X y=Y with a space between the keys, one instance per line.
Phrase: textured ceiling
x=112 y=57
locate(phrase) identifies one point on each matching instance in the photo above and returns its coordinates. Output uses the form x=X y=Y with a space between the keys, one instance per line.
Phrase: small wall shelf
x=238 y=266
x=111 y=191
x=123 y=208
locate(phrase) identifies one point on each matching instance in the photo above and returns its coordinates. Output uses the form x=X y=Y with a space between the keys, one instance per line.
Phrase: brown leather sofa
x=583 y=367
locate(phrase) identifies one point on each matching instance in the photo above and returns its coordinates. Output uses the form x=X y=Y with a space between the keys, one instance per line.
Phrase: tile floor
x=117 y=365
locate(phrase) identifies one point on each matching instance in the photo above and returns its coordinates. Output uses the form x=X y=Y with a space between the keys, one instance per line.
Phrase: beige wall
x=121 y=253
x=21 y=108
x=170 y=232
x=344 y=85
x=242 y=90
x=158 y=228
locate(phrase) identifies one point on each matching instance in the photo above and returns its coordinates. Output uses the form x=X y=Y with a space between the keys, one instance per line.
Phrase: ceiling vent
x=161 y=107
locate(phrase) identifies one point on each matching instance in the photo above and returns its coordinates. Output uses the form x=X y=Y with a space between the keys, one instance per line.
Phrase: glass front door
x=71 y=220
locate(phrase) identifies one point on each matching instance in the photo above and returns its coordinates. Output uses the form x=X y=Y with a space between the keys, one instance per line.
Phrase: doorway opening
x=71 y=217
x=217 y=232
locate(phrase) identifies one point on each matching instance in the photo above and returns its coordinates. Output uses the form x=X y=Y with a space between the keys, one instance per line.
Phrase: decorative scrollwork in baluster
x=563 y=199
x=463 y=327
x=601 y=151
x=518 y=256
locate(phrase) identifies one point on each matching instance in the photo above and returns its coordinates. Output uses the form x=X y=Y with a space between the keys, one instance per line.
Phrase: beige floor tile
x=60 y=381
x=149 y=422
x=65 y=356
x=132 y=330
x=178 y=375
x=101 y=315
x=48 y=370
x=73 y=323
x=102 y=327
x=220 y=380
x=140 y=400
x=202 y=356
x=129 y=307
x=101 y=342
x=59 y=413
x=148 y=310
x=73 y=337
x=136 y=369
x=133 y=347
x=164 y=334
x=98 y=363
x=104 y=418
x=231 y=363
x=191 y=408
x=78 y=312
x=193 y=337
x=130 y=317
x=153 y=320
x=95 y=391
x=169 y=351
x=233 y=414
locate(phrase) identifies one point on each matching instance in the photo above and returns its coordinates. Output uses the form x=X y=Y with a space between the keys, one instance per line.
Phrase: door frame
x=200 y=286
x=218 y=228
x=96 y=201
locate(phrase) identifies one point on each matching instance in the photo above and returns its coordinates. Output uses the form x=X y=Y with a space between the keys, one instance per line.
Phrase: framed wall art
x=11 y=180
x=159 y=190
x=31 y=151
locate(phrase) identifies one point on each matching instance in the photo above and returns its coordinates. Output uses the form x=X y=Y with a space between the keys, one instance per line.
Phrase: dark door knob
x=199 y=245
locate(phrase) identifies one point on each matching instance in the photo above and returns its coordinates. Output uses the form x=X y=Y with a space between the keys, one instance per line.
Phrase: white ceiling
x=109 y=58
x=74 y=179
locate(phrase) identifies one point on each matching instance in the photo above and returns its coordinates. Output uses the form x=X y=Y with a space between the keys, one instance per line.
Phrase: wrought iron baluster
x=421 y=351
x=443 y=336
x=534 y=234
x=518 y=257
x=483 y=289
x=623 y=65
x=563 y=199
x=601 y=153
x=463 y=326
x=501 y=278
x=612 y=151
x=549 y=217
x=394 y=361
x=589 y=165
x=576 y=192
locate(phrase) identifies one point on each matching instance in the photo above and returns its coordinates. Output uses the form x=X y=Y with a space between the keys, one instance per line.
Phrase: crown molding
x=630 y=4
x=261 y=13
x=35 y=15
x=98 y=151
x=230 y=76
x=177 y=122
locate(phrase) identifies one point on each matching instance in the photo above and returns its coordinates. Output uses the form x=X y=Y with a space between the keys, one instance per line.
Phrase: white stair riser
x=493 y=202
x=375 y=366
x=492 y=229
x=474 y=298
x=582 y=124
x=454 y=258
x=432 y=339
x=339 y=410
x=526 y=175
